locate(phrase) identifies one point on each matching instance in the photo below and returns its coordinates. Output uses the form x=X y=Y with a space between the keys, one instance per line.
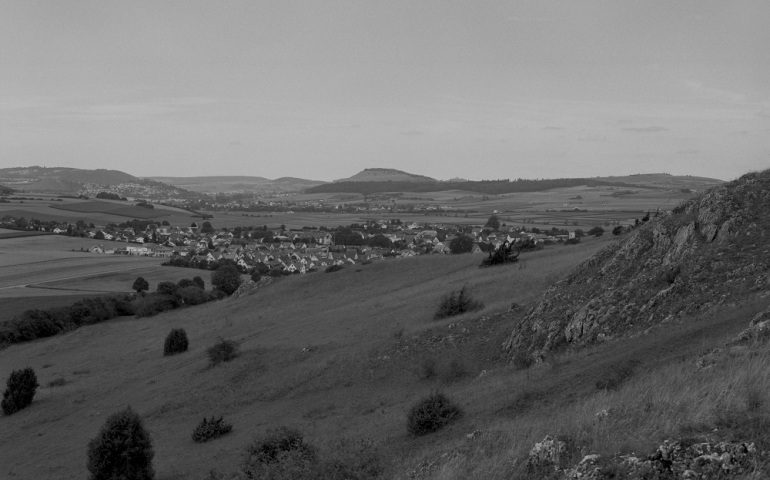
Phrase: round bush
x=176 y=342
x=226 y=279
x=431 y=413
x=222 y=351
x=20 y=391
x=122 y=449
x=334 y=268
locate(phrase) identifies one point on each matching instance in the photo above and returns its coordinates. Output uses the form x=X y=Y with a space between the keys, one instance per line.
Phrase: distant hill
x=67 y=180
x=385 y=175
x=233 y=184
x=664 y=180
x=60 y=179
x=372 y=181
x=707 y=252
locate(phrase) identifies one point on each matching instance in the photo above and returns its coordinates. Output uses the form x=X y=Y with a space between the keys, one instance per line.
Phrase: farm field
x=604 y=206
x=121 y=281
x=316 y=354
x=26 y=262
x=94 y=210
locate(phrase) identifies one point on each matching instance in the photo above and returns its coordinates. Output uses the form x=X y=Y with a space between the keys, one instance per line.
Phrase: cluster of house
x=300 y=251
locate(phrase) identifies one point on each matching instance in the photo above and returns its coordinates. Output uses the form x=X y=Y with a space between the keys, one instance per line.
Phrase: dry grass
x=666 y=398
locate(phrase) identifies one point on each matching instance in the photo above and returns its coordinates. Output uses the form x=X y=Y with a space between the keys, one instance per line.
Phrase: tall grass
x=729 y=401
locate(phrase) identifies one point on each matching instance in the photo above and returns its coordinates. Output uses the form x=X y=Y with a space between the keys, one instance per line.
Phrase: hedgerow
x=41 y=323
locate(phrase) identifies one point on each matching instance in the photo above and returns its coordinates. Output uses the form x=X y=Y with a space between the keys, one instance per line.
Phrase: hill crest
x=385 y=175
x=708 y=251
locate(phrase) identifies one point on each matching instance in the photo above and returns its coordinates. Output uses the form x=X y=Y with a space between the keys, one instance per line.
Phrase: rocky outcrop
x=251 y=287
x=710 y=250
x=672 y=460
x=758 y=331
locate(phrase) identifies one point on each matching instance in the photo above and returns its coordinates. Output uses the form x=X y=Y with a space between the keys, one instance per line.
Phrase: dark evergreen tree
x=20 y=390
x=122 y=449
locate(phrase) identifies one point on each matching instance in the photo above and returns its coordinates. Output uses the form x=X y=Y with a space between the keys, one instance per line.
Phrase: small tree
x=141 y=285
x=176 y=342
x=493 y=223
x=20 y=390
x=461 y=244
x=256 y=276
x=226 y=279
x=122 y=449
x=457 y=303
x=617 y=230
x=198 y=282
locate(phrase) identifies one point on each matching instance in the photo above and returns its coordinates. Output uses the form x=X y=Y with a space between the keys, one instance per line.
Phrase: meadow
x=322 y=352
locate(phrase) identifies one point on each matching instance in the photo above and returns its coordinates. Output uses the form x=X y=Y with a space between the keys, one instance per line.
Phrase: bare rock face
x=709 y=250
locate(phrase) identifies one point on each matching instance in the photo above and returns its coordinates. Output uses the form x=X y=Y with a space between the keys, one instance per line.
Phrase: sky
x=323 y=89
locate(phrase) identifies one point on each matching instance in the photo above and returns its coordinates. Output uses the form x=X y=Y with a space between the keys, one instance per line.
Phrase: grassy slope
x=340 y=388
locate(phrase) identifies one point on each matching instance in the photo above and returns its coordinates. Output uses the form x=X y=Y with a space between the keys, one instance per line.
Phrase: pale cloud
x=651 y=129
x=700 y=91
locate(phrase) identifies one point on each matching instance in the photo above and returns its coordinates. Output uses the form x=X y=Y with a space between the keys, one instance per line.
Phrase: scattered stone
x=546 y=453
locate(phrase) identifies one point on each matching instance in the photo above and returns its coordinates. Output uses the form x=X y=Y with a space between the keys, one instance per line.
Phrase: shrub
x=20 y=390
x=198 y=282
x=222 y=351
x=193 y=295
x=210 y=429
x=122 y=449
x=176 y=342
x=185 y=282
x=457 y=303
x=461 y=244
x=226 y=279
x=167 y=288
x=334 y=268
x=431 y=413
x=276 y=444
x=154 y=304
x=256 y=276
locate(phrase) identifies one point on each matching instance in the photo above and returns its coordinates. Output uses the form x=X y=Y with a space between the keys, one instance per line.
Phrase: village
x=283 y=251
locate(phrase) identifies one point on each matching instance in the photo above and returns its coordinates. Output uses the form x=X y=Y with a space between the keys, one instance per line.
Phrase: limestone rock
x=546 y=453
x=710 y=250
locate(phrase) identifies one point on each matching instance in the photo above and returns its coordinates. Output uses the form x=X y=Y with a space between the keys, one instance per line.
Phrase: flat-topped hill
x=385 y=175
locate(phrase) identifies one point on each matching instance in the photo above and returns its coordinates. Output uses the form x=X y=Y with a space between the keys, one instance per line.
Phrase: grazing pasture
x=326 y=353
